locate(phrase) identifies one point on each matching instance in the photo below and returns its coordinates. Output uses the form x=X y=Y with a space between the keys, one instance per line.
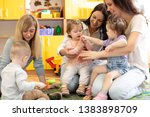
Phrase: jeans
x=119 y=63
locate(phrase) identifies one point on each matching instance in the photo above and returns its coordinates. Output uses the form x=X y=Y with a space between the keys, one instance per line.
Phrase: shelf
x=8 y=19
x=61 y=18
x=6 y=37
x=50 y=18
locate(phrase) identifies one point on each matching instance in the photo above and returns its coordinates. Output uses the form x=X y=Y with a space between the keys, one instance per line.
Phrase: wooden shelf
x=4 y=37
x=61 y=18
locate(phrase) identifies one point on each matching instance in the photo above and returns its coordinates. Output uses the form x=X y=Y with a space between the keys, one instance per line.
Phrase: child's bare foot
x=64 y=90
x=81 y=90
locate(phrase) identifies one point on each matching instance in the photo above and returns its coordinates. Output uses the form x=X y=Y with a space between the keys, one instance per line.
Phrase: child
x=75 y=45
x=14 y=78
x=116 y=66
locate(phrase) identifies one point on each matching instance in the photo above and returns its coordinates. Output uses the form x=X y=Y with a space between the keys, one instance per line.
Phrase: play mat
x=145 y=95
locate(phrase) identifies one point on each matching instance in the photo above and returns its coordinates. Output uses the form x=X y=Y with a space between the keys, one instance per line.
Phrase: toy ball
x=51 y=81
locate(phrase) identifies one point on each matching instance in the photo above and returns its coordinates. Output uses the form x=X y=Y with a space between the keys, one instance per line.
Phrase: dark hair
x=102 y=29
x=127 y=6
x=117 y=24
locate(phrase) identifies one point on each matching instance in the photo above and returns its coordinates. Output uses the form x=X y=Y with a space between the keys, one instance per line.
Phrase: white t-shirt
x=139 y=57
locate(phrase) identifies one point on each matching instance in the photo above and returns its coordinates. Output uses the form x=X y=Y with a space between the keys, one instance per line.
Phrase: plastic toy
x=55 y=62
x=51 y=81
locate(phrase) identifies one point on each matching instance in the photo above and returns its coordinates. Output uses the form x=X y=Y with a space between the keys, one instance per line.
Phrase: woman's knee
x=73 y=85
x=116 y=93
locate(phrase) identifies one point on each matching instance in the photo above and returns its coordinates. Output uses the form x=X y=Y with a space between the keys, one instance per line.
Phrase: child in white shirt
x=14 y=79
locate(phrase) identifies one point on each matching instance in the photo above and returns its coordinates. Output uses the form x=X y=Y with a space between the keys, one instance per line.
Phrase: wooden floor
x=49 y=74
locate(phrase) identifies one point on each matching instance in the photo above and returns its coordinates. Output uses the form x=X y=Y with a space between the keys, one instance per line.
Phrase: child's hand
x=68 y=54
x=85 y=38
x=39 y=85
x=74 y=51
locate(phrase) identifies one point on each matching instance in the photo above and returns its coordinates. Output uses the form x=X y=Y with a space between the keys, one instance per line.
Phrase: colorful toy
x=51 y=81
x=55 y=62
x=47 y=86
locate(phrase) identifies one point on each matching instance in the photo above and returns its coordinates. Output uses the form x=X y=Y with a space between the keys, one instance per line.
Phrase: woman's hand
x=89 y=55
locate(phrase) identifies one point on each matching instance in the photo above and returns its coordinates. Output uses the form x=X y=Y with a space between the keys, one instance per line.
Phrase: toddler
x=14 y=79
x=75 y=45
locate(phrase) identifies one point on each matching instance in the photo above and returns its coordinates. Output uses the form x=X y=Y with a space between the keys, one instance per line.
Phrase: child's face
x=112 y=34
x=29 y=34
x=76 y=32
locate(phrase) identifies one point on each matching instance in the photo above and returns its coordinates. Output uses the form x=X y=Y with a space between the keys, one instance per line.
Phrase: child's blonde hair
x=71 y=23
x=20 y=49
x=117 y=24
x=23 y=24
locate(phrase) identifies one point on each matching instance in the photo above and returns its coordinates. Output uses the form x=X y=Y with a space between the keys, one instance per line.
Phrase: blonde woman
x=27 y=29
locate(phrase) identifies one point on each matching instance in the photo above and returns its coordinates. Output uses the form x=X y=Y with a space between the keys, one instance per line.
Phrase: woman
x=129 y=84
x=27 y=29
x=94 y=26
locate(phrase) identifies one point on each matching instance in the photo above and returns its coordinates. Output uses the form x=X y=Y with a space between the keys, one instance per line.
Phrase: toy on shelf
x=55 y=63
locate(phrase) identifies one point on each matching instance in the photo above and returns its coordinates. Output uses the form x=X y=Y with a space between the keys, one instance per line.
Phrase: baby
x=14 y=79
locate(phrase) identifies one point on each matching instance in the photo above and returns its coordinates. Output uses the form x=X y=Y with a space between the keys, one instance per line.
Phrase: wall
x=2 y=43
x=7 y=29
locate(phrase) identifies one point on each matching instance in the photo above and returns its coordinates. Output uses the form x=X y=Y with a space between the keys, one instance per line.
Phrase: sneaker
x=101 y=96
x=55 y=96
x=81 y=90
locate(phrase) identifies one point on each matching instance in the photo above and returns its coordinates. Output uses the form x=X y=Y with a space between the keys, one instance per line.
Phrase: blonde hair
x=20 y=49
x=71 y=23
x=23 y=24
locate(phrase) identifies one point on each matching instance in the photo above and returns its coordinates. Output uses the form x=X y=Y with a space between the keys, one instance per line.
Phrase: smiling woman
x=27 y=29
x=136 y=49
x=28 y=34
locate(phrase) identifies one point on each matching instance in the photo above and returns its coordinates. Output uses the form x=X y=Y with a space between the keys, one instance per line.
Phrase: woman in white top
x=129 y=84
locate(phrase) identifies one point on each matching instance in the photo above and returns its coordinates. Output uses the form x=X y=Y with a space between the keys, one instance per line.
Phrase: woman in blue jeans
x=94 y=26
x=130 y=84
